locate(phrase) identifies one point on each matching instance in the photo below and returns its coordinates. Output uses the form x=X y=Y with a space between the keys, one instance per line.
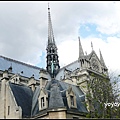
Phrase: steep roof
x=35 y=104
x=23 y=96
x=78 y=92
x=55 y=100
x=57 y=97
x=56 y=90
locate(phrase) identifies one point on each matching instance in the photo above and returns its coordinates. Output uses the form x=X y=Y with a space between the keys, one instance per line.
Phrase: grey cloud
x=23 y=25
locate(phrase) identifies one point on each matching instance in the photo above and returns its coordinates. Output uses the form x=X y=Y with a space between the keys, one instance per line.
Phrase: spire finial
x=91 y=45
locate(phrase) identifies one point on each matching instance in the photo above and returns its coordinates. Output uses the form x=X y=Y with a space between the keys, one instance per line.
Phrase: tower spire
x=101 y=59
x=81 y=53
x=52 y=56
x=50 y=29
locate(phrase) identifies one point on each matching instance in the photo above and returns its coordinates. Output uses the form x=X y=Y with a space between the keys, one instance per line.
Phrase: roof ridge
x=10 y=59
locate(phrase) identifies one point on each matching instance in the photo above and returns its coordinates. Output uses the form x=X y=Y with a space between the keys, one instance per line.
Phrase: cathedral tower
x=52 y=56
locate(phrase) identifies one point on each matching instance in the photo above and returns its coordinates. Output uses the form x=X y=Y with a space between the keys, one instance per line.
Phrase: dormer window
x=43 y=102
x=15 y=79
x=71 y=98
x=43 y=99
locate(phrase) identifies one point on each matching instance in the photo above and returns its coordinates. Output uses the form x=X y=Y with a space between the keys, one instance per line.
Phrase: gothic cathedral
x=28 y=91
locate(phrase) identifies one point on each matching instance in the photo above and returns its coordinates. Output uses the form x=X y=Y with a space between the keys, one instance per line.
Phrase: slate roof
x=35 y=105
x=57 y=97
x=71 y=67
x=55 y=100
x=23 y=96
x=78 y=92
x=17 y=67
x=56 y=89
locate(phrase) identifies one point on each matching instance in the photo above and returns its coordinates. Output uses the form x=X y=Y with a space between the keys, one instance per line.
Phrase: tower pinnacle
x=81 y=53
x=101 y=59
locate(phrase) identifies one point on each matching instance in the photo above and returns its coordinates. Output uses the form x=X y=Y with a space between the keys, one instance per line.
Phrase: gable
x=94 y=55
x=95 y=62
x=43 y=92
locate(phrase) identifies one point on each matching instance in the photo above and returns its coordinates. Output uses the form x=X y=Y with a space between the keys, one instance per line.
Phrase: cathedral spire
x=101 y=59
x=52 y=56
x=81 y=53
x=50 y=29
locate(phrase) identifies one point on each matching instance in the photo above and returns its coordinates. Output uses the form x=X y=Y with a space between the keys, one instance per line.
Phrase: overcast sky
x=24 y=30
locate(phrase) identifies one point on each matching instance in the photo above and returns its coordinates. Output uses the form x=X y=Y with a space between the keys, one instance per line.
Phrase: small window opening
x=72 y=100
x=8 y=110
x=42 y=102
